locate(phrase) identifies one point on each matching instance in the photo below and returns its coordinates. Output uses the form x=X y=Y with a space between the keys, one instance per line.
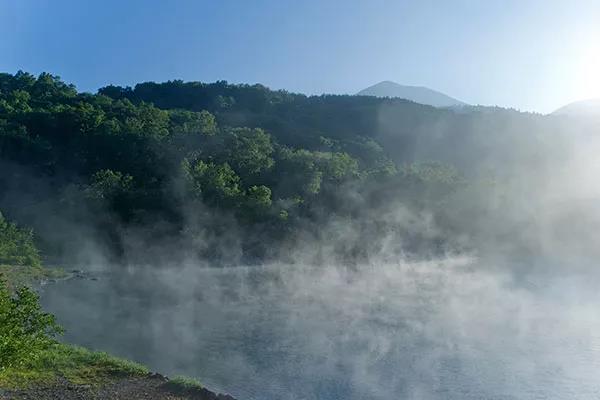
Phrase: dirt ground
x=151 y=387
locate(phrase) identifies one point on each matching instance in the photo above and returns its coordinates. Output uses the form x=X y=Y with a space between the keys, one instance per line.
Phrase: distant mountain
x=418 y=94
x=585 y=108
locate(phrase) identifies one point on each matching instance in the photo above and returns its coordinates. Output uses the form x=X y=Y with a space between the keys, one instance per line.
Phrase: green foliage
x=189 y=122
x=107 y=185
x=49 y=88
x=17 y=245
x=17 y=101
x=259 y=197
x=84 y=117
x=264 y=157
x=217 y=184
x=302 y=175
x=146 y=120
x=184 y=383
x=25 y=330
x=18 y=145
x=250 y=150
x=337 y=166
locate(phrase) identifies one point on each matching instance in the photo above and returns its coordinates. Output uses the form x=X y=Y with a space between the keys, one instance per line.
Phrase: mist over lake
x=443 y=329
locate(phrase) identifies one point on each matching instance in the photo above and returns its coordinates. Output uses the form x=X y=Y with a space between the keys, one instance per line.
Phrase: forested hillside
x=239 y=170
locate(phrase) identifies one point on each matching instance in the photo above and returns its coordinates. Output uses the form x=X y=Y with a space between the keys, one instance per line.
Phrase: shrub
x=25 y=330
x=16 y=245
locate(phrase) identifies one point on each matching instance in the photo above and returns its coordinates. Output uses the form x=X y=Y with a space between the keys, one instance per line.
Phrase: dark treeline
x=241 y=171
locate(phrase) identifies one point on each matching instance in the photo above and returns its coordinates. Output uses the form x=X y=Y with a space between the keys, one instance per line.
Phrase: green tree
x=189 y=122
x=250 y=150
x=259 y=197
x=16 y=245
x=142 y=119
x=17 y=102
x=337 y=166
x=25 y=330
x=109 y=185
x=215 y=183
x=85 y=117
x=48 y=89
x=300 y=173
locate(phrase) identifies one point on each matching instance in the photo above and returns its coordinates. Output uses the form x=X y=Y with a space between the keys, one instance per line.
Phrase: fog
x=443 y=329
x=503 y=315
x=494 y=299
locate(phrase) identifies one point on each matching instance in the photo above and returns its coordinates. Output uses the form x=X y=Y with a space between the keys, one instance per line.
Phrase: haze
x=179 y=192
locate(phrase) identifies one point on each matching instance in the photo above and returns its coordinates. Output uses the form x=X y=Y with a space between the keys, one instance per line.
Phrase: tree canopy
x=271 y=159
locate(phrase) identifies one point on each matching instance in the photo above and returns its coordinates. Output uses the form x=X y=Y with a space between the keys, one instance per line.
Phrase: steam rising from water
x=444 y=329
x=517 y=320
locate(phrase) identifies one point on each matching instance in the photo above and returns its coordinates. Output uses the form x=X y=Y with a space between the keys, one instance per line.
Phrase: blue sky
x=529 y=54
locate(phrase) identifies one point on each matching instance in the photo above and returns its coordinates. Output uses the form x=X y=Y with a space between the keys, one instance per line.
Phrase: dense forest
x=241 y=172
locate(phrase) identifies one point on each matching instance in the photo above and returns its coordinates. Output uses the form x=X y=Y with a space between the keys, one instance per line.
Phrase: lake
x=444 y=329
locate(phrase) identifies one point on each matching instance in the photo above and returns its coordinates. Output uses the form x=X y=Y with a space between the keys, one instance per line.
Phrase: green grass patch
x=75 y=364
x=21 y=275
x=184 y=383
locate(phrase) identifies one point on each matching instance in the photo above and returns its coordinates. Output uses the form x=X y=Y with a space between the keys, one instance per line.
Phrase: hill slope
x=418 y=94
x=585 y=108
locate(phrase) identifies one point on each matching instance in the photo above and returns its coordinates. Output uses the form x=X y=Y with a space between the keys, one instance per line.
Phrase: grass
x=184 y=383
x=19 y=275
x=80 y=366
x=75 y=364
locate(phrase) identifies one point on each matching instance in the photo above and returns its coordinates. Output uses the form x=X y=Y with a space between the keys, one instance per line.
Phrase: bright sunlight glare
x=587 y=79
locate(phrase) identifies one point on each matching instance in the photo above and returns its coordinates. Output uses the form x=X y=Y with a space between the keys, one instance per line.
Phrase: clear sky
x=528 y=54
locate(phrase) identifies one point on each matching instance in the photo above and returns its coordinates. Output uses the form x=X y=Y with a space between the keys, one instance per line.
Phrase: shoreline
x=69 y=372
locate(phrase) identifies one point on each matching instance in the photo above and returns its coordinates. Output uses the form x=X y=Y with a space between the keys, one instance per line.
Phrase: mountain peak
x=418 y=94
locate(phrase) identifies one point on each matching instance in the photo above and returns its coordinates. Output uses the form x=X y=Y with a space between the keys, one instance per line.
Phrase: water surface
x=437 y=330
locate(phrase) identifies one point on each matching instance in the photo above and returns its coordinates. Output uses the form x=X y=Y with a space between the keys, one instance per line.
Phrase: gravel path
x=152 y=387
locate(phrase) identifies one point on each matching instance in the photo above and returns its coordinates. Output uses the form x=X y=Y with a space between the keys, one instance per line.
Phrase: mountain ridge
x=582 y=108
x=417 y=94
